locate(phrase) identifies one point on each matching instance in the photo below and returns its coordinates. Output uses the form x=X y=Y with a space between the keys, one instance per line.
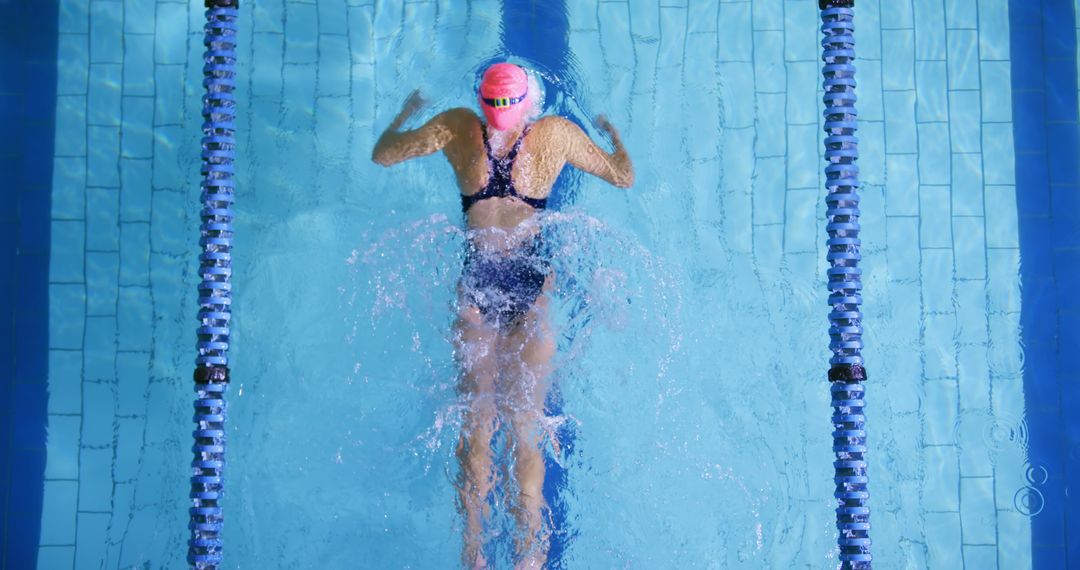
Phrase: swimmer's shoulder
x=459 y=117
x=550 y=124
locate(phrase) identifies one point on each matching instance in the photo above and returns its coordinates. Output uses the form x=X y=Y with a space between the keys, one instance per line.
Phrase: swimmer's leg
x=475 y=351
x=530 y=346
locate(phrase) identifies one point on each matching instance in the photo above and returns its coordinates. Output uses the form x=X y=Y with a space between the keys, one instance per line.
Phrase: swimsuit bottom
x=504 y=285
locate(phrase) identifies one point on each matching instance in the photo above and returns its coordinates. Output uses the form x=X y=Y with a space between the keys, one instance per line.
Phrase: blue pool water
x=693 y=347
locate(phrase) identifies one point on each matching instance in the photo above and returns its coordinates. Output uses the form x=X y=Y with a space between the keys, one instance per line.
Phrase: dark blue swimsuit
x=504 y=286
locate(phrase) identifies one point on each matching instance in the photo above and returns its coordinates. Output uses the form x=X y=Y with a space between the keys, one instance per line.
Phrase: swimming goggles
x=503 y=102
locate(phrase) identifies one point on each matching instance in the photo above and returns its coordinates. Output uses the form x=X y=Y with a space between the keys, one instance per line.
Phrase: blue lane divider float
x=215 y=268
x=846 y=371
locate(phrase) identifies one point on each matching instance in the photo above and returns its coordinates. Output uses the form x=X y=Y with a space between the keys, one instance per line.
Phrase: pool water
x=692 y=406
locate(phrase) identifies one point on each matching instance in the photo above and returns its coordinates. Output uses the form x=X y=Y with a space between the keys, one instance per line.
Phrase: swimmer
x=506 y=165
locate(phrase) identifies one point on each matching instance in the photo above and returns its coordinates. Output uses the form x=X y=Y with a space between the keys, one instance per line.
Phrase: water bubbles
x=1029 y=501
x=1001 y=431
x=1036 y=474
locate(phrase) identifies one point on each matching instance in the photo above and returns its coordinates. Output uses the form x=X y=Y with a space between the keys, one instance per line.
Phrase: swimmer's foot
x=532 y=562
x=533 y=551
x=474 y=559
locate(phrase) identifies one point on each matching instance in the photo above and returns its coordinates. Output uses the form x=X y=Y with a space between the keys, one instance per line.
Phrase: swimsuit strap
x=499 y=183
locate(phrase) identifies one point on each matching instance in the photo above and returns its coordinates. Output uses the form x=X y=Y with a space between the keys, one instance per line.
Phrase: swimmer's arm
x=395 y=146
x=583 y=153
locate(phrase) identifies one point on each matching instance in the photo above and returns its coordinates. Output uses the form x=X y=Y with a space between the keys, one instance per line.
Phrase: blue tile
x=138 y=18
x=92 y=539
x=900 y=128
x=937 y=280
x=769 y=189
x=57 y=517
x=800 y=40
x=769 y=126
x=996 y=91
x=102 y=219
x=934 y=155
x=139 y=65
x=37 y=149
x=1033 y=175
x=998 y=159
x=903 y=248
x=96 y=466
x=930 y=26
x=74 y=16
x=69 y=188
x=102 y=269
x=65 y=379
x=935 y=229
x=768 y=14
x=9 y=106
x=961 y=15
x=1029 y=75
x=1069 y=360
x=134 y=319
x=871 y=156
x=300 y=45
x=167 y=172
x=802 y=104
x=67 y=305
x=965 y=125
x=102 y=168
x=63 y=447
x=99 y=410
x=136 y=133
x=135 y=254
x=1066 y=205
x=1062 y=153
x=1025 y=14
x=969 y=247
x=23 y=533
x=896 y=15
x=171 y=32
x=1059 y=19
x=266 y=78
x=28 y=414
x=133 y=375
x=870 y=105
x=135 y=190
x=103 y=96
x=26 y=486
x=72 y=63
x=737 y=44
x=1030 y=131
x=106 y=29
x=70 y=125
x=99 y=361
x=943 y=540
x=1048 y=556
x=169 y=98
x=963 y=59
x=1060 y=88
x=129 y=447
x=967 y=184
x=803 y=165
x=66 y=260
x=1059 y=46
x=898 y=56
x=39 y=109
x=932 y=103
x=56 y=557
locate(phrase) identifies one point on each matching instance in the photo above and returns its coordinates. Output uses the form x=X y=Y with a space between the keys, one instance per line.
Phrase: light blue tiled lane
x=118 y=281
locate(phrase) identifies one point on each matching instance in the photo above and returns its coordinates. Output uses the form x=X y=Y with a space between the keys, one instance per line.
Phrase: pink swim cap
x=504 y=95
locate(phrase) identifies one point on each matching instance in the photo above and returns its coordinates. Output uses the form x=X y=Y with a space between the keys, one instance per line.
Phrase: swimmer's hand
x=395 y=145
x=413 y=103
x=605 y=125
